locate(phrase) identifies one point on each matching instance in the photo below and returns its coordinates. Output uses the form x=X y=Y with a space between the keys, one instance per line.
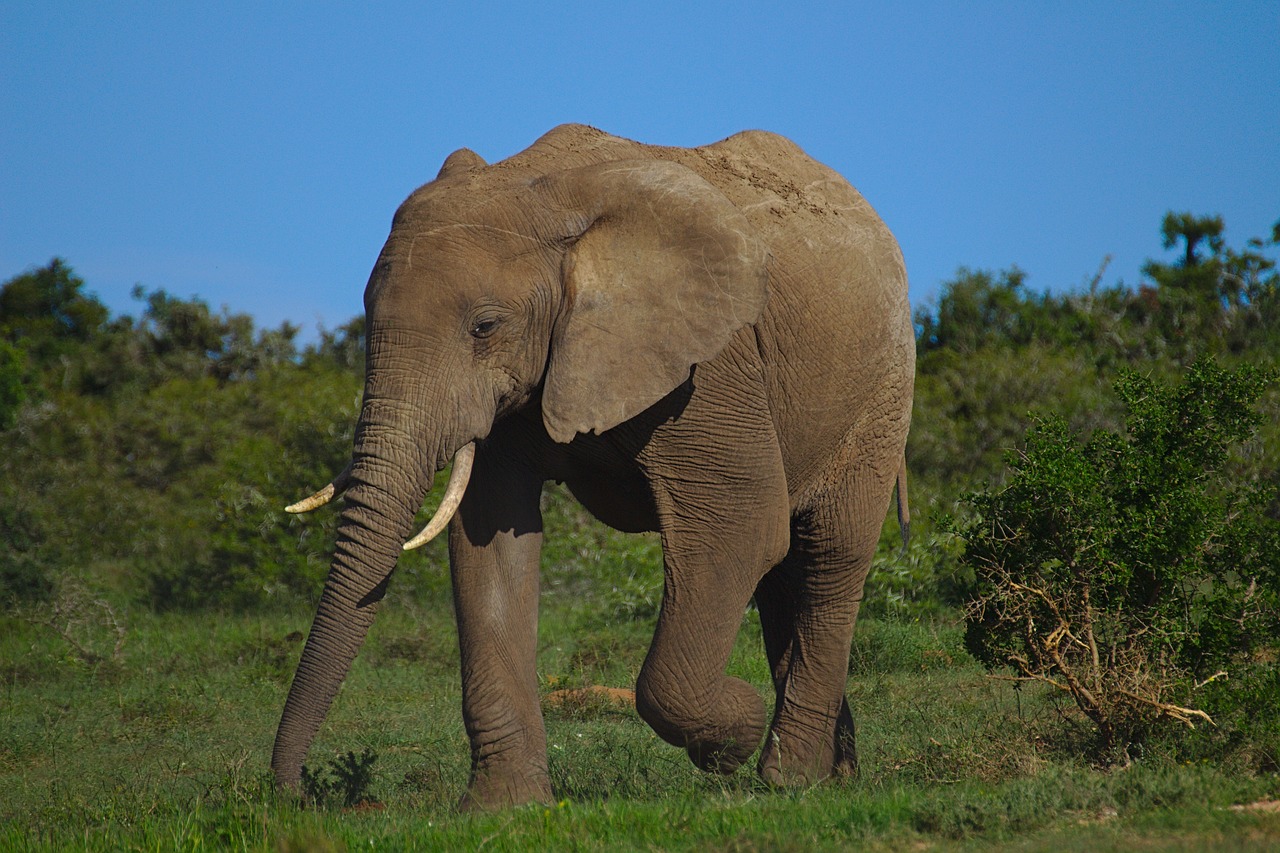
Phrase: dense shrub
x=1132 y=569
x=154 y=454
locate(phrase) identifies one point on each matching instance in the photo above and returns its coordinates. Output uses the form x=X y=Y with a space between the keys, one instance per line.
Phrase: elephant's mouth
x=458 y=479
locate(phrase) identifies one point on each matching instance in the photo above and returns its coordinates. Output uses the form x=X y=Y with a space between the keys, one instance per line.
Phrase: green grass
x=167 y=746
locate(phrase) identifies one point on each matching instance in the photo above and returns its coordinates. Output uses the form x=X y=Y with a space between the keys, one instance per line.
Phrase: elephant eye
x=483 y=328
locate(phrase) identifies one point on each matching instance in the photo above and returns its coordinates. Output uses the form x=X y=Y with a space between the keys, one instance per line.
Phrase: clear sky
x=253 y=153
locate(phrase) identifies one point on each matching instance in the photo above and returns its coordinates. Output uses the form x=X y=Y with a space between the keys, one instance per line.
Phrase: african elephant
x=713 y=343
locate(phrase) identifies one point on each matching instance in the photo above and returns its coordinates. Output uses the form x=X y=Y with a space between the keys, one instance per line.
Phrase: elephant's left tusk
x=458 y=479
x=322 y=497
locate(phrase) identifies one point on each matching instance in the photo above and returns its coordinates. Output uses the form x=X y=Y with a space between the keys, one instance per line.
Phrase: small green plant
x=347 y=779
x=1130 y=571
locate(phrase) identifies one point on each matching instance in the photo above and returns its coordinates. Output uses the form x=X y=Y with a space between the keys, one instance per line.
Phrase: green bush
x=12 y=392
x=911 y=582
x=1133 y=570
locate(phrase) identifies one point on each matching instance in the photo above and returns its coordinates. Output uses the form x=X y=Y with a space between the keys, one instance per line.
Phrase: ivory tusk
x=458 y=479
x=322 y=497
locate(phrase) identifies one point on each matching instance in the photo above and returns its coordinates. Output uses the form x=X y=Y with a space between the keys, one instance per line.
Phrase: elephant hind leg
x=808 y=605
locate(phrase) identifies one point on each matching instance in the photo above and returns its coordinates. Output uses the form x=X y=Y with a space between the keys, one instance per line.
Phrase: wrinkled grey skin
x=713 y=343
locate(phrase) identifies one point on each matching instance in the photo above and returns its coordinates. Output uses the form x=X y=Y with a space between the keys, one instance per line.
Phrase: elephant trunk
x=387 y=485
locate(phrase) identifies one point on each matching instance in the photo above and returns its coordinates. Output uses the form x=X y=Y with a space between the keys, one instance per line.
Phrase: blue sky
x=253 y=154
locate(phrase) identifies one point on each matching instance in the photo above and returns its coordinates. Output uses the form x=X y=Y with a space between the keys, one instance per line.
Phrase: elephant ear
x=664 y=273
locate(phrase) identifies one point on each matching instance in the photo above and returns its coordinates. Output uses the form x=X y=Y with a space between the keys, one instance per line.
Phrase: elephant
x=714 y=343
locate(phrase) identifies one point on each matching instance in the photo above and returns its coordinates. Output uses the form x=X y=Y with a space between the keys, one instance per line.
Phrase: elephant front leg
x=494 y=547
x=683 y=692
x=724 y=521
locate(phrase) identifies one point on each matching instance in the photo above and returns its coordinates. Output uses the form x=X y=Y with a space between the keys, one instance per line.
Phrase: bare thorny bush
x=1106 y=664
x=1130 y=572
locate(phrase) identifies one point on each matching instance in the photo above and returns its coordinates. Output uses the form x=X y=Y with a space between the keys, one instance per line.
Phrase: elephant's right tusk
x=458 y=479
x=322 y=497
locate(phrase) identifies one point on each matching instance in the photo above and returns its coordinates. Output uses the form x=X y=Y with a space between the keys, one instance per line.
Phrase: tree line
x=151 y=453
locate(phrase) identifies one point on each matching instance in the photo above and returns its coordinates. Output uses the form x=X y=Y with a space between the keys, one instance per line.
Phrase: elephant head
x=584 y=294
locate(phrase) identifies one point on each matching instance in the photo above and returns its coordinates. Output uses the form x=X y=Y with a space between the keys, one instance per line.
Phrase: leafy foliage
x=46 y=310
x=912 y=583
x=990 y=350
x=166 y=443
x=1131 y=569
x=12 y=394
x=346 y=780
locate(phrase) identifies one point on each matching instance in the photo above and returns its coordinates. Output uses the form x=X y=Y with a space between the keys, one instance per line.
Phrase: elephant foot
x=797 y=755
x=500 y=787
x=723 y=758
x=718 y=737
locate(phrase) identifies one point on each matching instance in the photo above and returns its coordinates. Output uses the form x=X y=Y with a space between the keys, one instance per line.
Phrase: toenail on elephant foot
x=775 y=777
x=777 y=773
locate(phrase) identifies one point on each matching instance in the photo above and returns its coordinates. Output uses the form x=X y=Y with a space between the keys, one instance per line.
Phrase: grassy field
x=164 y=743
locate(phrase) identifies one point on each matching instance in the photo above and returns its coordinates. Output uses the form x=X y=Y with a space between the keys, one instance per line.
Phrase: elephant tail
x=904 y=509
